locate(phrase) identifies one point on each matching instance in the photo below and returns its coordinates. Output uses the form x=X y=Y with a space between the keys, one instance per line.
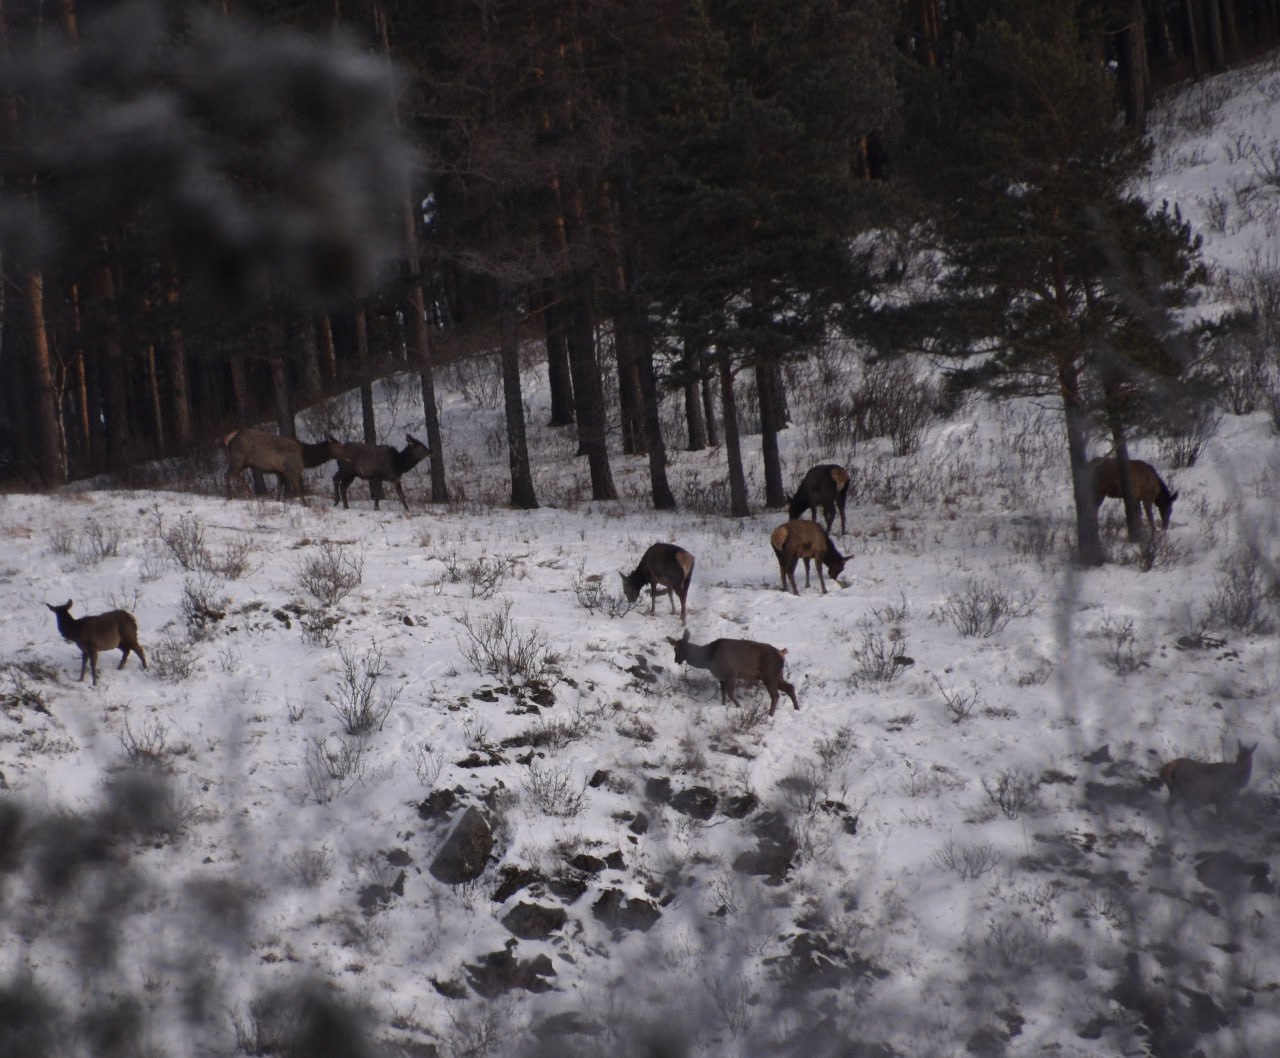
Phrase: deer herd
x=664 y=567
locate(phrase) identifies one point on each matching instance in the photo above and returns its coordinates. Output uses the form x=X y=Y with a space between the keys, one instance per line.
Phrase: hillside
x=957 y=844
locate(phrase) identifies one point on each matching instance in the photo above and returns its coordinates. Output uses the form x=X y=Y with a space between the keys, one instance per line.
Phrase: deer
x=1196 y=782
x=1148 y=488
x=661 y=566
x=103 y=631
x=375 y=463
x=798 y=539
x=731 y=660
x=825 y=486
x=269 y=453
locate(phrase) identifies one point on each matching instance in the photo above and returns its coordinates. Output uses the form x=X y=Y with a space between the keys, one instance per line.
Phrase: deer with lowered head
x=825 y=486
x=375 y=463
x=103 y=631
x=798 y=539
x=731 y=660
x=662 y=566
x=1195 y=782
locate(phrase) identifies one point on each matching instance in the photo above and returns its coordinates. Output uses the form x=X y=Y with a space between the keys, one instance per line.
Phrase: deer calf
x=662 y=566
x=825 y=486
x=269 y=453
x=1195 y=782
x=375 y=463
x=103 y=631
x=731 y=660
x=795 y=540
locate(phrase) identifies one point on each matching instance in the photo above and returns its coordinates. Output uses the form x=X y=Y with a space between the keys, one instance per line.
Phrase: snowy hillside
x=957 y=844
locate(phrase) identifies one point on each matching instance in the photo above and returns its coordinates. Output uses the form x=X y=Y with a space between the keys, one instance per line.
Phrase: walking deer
x=1195 y=782
x=104 y=631
x=731 y=660
x=375 y=463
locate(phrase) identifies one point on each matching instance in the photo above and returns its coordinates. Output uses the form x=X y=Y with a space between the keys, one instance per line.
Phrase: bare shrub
x=173 y=659
x=202 y=605
x=967 y=861
x=98 y=540
x=495 y=646
x=331 y=574
x=1013 y=791
x=592 y=596
x=878 y=660
x=893 y=401
x=554 y=790
x=358 y=701
x=1245 y=593
x=485 y=575
x=1121 y=639
x=333 y=767
x=983 y=609
x=185 y=541
x=1184 y=434
x=959 y=706
x=310 y=867
x=145 y=747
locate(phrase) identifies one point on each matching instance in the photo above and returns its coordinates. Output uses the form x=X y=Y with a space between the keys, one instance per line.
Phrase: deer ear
x=673 y=642
x=683 y=639
x=67 y=606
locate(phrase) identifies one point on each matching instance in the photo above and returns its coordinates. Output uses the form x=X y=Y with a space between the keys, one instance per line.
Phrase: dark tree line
x=205 y=225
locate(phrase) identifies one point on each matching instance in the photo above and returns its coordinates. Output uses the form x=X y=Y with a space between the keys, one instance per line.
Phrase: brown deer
x=268 y=453
x=825 y=486
x=797 y=539
x=1145 y=483
x=662 y=566
x=375 y=463
x=731 y=660
x=1195 y=782
x=104 y=631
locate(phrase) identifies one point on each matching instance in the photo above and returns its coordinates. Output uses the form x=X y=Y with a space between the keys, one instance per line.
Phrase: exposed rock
x=1099 y=756
x=450 y=989
x=614 y=861
x=658 y=790
x=534 y=921
x=440 y=804
x=618 y=912
x=501 y=971
x=775 y=849
x=398 y=858
x=1226 y=872
x=465 y=852
x=739 y=806
x=813 y=962
x=598 y=779
x=697 y=802
x=587 y=863
x=570 y=1023
x=513 y=880
x=640 y=824
x=1133 y=795
x=567 y=887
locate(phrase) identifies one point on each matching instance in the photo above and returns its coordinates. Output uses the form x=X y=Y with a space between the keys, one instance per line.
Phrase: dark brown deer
x=731 y=660
x=825 y=486
x=1196 y=783
x=1147 y=487
x=798 y=539
x=662 y=566
x=103 y=631
x=375 y=463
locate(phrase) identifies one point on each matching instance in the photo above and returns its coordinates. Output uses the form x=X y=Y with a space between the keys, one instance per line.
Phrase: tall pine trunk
x=738 y=506
x=522 y=491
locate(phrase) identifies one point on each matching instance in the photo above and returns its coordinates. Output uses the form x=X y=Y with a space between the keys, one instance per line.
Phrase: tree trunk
x=588 y=390
x=427 y=379
x=738 y=506
x=767 y=379
x=52 y=455
x=709 y=410
x=630 y=402
x=157 y=406
x=1193 y=36
x=115 y=377
x=368 y=419
x=522 y=491
x=179 y=385
x=559 y=378
x=1089 y=550
x=1214 y=37
x=1134 y=80
x=693 y=417
x=663 y=498
x=328 y=354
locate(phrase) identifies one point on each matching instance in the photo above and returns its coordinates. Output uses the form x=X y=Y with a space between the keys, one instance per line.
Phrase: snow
x=1022 y=948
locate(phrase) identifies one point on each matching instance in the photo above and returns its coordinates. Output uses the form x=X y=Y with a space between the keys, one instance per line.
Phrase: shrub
x=1245 y=593
x=185 y=541
x=984 y=609
x=1014 y=791
x=494 y=646
x=967 y=861
x=173 y=659
x=333 y=768
x=358 y=702
x=554 y=791
x=202 y=605
x=959 y=705
x=147 y=746
x=332 y=574
x=310 y=866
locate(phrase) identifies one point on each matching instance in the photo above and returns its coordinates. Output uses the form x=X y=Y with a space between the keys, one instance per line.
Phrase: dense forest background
x=219 y=214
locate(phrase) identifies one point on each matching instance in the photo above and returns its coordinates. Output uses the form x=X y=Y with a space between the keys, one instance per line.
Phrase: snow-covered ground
x=958 y=843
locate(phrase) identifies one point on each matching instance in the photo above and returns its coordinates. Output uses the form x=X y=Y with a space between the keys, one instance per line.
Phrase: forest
x=216 y=215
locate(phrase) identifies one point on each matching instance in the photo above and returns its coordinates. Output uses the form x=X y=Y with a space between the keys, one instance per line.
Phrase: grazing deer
x=731 y=660
x=375 y=463
x=104 y=631
x=1145 y=483
x=795 y=540
x=825 y=486
x=662 y=566
x=1196 y=782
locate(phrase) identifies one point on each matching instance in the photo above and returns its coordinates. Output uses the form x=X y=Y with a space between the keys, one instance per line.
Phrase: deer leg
x=93 y=665
x=400 y=493
x=806 y=573
x=124 y=656
x=84 y=664
x=791 y=692
x=728 y=688
x=821 y=582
